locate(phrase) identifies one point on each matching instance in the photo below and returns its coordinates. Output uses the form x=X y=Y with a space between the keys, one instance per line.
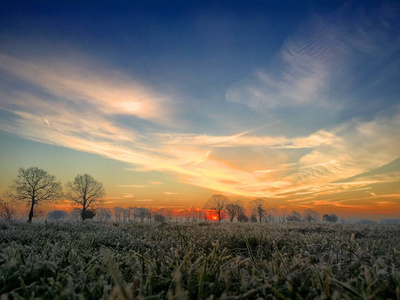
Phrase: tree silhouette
x=242 y=217
x=159 y=218
x=85 y=191
x=234 y=209
x=217 y=203
x=311 y=215
x=141 y=213
x=330 y=218
x=258 y=208
x=34 y=185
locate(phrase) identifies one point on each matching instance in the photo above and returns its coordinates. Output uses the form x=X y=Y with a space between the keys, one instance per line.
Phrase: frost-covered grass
x=229 y=261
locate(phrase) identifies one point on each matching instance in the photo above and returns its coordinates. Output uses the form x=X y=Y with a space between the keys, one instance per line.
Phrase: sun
x=214 y=218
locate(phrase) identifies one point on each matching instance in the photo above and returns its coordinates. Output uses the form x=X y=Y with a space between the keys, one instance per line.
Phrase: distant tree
x=253 y=219
x=34 y=185
x=295 y=215
x=102 y=214
x=149 y=214
x=6 y=210
x=85 y=191
x=334 y=218
x=126 y=214
x=75 y=215
x=234 y=209
x=242 y=217
x=282 y=215
x=292 y=218
x=217 y=203
x=311 y=215
x=272 y=214
x=57 y=215
x=193 y=214
x=201 y=215
x=140 y=213
x=258 y=208
x=330 y=218
x=118 y=213
x=166 y=213
x=159 y=218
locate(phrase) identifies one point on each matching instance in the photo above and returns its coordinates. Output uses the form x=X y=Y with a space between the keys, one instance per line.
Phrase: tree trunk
x=83 y=215
x=31 y=211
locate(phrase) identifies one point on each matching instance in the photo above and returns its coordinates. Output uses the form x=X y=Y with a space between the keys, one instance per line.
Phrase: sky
x=170 y=102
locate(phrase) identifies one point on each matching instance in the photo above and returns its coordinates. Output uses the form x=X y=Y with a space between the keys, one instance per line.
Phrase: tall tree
x=85 y=191
x=34 y=185
x=217 y=203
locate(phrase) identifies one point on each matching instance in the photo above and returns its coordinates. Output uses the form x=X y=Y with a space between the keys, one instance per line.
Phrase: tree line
x=258 y=212
x=34 y=185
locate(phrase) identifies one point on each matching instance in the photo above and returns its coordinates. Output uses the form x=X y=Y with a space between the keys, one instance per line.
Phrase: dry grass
x=229 y=261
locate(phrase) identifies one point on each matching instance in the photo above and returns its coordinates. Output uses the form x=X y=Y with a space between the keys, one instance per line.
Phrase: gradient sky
x=167 y=104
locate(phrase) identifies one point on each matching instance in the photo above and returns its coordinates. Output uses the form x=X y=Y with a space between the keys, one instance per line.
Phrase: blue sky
x=276 y=99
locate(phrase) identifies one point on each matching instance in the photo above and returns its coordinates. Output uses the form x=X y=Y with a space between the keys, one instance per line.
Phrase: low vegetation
x=199 y=261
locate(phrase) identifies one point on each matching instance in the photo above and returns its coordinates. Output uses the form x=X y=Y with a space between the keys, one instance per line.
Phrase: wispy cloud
x=84 y=88
x=280 y=142
x=135 y=186
x=127 y=195
x=156 y=183
x=315 y=62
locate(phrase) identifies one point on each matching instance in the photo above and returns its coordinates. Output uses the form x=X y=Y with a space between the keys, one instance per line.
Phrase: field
x=199 y=261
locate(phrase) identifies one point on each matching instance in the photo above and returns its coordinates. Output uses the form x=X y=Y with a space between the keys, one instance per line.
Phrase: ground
x=199 y=261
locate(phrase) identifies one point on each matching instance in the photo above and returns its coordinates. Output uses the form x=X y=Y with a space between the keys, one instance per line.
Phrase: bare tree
x=159 y=218
x=296 y=215
x=242 y=217
x=234 y=209
x=149 y=214
x=6 y=210
x=311 y=215
x=140 y=213
x=85 y=191
x=126 y=213
x=258 y=208
x=102 y=214
x=217 y=203
x=118 y=213
x=34 y=185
